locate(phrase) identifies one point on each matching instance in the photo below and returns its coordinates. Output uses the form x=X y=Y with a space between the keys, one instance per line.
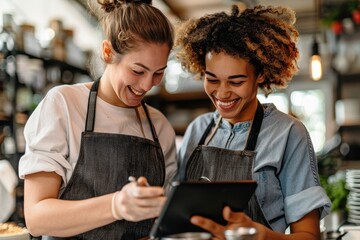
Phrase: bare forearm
x=54 y=217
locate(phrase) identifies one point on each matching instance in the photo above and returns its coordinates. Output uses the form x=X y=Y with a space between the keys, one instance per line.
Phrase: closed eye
x=213 y=81
x=237 y=83
x=138 y=72
x=158 y=73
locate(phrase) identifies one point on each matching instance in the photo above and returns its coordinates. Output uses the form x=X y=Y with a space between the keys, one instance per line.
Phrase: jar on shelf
x=27 y=40
x=74 y=54
x=8 y=35
x=57 y=44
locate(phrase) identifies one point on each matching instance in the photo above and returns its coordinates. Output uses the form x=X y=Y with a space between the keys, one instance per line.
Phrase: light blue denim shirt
x=285 y=163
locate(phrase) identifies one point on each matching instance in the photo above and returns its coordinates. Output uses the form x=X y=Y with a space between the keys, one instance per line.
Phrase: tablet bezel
x=200 y=198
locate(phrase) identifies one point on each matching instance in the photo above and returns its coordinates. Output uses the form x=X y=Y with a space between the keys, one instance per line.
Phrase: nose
x=147 y=83
x=223 y=92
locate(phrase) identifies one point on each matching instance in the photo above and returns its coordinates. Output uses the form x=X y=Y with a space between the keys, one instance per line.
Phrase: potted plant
x=342 y=17
x=333 y=181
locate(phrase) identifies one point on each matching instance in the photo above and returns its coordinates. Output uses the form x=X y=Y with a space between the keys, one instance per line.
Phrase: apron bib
x=218 y=164
x=104 y=164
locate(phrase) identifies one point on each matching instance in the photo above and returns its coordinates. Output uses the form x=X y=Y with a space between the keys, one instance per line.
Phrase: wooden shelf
x=347 y=164
x=350 y=127
x=349 y=78
x=48 y=62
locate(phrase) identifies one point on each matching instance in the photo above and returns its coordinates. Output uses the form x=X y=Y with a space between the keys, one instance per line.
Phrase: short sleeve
x=46 y=137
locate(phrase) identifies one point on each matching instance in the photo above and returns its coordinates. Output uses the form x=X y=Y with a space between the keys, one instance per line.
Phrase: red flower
x=356 y=16
x=337 y=27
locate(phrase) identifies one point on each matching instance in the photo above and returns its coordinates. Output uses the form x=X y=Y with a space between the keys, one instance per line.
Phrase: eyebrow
x=229 y=77
x=143 y=66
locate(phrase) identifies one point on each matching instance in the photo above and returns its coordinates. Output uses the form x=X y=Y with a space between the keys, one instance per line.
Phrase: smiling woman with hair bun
x=84 y=141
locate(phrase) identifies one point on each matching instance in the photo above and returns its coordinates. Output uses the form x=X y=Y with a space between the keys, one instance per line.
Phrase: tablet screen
x=206 y=199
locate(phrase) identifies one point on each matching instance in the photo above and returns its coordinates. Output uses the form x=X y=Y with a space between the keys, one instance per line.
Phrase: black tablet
x=206 y=199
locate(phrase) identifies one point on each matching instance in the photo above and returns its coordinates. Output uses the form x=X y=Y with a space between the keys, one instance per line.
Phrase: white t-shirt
x=53 y=131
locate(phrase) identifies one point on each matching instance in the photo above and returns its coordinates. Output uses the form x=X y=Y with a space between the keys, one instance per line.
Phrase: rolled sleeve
x=298 y=205
x=44 y=162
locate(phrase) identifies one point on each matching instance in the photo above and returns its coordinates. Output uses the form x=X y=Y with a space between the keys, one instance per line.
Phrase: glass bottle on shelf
x=27 y=40
x=8 y=34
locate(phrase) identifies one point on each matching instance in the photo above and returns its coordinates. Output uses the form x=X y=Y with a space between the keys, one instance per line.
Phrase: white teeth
x=136 y=92
x=225 y=103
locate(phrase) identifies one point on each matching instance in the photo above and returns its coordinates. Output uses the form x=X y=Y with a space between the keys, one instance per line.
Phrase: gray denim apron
x=104 y=164
x=218 y=164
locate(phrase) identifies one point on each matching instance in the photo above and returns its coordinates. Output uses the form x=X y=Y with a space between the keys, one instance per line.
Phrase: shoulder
x=202 y=121
x=159 y=120
x=198 y=126
x=282 y=129
x=278 y=119
x=74 y=91
x=155 y=114
x=61 y=100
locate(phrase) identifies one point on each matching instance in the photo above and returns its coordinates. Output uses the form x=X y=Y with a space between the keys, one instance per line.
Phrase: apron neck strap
x=206 y=133
x=91 y=108
x=153 y=131
x=255 y=128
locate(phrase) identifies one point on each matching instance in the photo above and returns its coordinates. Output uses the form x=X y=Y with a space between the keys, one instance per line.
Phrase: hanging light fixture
x=315 y=62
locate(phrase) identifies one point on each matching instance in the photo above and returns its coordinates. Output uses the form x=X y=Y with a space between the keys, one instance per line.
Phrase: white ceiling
x=307 y=11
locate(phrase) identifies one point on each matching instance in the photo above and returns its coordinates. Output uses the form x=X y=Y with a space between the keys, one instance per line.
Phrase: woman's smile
x=135 y=92
x=225 y=105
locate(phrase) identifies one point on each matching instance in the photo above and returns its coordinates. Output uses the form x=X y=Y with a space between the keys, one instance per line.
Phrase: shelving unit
x=28 y=70
x=53 y=72
x=348 y=99
x=24 y=81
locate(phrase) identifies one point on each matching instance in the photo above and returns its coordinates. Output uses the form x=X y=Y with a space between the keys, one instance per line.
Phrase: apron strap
x=90 y=115
x=206 y=133
x=153 y=131
x=255 y=128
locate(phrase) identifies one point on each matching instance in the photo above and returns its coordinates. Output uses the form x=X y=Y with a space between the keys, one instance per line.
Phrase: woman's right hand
x=136 y=202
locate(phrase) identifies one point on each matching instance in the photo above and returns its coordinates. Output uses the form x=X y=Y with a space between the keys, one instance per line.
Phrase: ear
x=106 y=51
x=260 y=78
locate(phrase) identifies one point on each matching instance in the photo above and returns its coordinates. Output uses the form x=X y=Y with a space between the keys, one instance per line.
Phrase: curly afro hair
x=265 y=36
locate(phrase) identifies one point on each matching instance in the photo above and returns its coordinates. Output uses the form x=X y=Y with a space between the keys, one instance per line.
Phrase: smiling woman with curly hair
x=236 y=54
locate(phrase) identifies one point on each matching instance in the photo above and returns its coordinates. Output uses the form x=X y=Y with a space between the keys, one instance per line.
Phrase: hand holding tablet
x=205 y=199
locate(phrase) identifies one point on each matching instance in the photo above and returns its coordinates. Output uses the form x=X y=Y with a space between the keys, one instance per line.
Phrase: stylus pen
x=133 y=179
